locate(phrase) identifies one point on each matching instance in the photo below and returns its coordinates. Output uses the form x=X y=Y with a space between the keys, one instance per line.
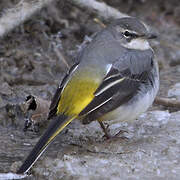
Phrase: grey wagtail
x=116 y=78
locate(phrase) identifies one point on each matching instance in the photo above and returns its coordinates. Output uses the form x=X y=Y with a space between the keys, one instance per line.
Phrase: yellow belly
x=78 y=93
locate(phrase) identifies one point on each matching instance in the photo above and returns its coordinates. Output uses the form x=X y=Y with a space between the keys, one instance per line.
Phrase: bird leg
x=121 y=132
x=105 y=130
x=107 y=134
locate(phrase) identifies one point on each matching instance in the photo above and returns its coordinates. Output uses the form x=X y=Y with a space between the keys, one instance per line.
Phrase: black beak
x=151 y=36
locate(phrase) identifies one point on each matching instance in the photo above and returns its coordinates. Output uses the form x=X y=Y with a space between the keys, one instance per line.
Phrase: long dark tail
x=55 y=127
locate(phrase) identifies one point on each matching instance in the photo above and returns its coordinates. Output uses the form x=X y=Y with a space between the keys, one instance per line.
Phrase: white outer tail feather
x=18 y=14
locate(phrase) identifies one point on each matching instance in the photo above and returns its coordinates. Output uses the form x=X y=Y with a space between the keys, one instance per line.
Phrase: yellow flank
x=78 y=93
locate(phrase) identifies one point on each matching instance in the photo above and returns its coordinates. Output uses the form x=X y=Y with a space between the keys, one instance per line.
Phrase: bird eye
x=127 y=34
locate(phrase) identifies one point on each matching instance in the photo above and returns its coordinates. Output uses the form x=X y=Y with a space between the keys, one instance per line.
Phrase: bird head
x=132 y=33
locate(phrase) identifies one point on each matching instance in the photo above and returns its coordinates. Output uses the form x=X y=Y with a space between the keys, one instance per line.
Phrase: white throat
x=139 y=44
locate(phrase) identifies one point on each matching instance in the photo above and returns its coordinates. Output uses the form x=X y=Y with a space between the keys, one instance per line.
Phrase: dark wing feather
x=57 y=95
x=54 y=103
x=117 y=94
x=121 y=84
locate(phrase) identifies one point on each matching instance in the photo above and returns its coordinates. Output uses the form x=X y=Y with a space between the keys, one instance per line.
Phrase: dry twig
x=167 y=102
x=100 y=8
x=19 y=13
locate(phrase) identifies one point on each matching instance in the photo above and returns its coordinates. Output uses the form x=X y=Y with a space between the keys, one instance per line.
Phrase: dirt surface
x=30 y=64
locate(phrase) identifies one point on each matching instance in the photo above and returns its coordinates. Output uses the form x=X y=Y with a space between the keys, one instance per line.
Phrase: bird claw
x=107 y=134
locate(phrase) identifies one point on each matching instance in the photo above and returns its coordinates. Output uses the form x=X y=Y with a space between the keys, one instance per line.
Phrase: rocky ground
x=30 y=64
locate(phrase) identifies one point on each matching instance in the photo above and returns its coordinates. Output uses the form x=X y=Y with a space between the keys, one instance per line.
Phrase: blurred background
x=34 y=58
